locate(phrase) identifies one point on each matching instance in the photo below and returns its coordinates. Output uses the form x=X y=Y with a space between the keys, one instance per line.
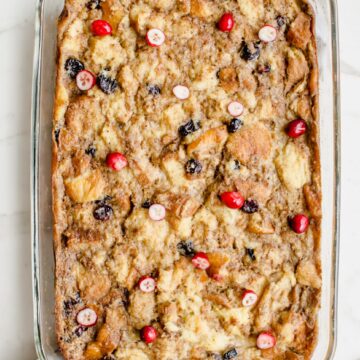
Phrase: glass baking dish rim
x=34 y=175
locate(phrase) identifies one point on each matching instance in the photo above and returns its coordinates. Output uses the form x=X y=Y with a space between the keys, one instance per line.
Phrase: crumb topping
x=186 y=164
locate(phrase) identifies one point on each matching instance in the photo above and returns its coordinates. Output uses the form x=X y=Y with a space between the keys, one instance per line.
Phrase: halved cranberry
x=226 y=22
x=116 y=161
x=155 y=37
x=86 y=317
x=296 y=128
x=148 y=334
x=232 y=199
x=85 y=80
x=201 y=261
x=235 y=108
x=101 y=28
x=181 y=92
x=249 y=298
x=157 y=212
x=265 y=340
x=267 y=33
x=147 y=284
x=299 y=223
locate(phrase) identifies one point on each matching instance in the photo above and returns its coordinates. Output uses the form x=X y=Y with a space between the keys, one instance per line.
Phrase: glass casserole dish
x=47 y=13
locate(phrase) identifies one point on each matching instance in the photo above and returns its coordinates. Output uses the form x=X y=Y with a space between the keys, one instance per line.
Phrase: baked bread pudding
x=186 y=180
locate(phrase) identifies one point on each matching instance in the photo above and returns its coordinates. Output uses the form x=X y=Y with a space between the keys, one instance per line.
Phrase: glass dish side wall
x=43 y=89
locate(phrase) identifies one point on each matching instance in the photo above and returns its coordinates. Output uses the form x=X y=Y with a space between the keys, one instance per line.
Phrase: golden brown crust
x=198 y=315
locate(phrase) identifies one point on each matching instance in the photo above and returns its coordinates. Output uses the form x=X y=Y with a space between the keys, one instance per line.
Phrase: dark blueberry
x=79 y=330
x=154 y=90
x=56 y=135
x=280 y=21
x=106 y=83
x=94 y=4
x=230 y=354
x=103 y=212
x=251 y=254
x=69 y=304
x=64 y=239
x=91 y=150
x=216 y=357
x=264 y=69
x=186 y=248
x=73 y=67
x=235 y=125
x=68 y=307
x=193 y=166
x=146 y=204
x=250 y=206
x=188 y=128
x=126 y=297
x=237 y=165
x=104 y=200
x=77 y=298
x=249 y=52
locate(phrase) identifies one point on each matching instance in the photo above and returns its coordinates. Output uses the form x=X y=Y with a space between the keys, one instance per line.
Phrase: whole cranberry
x=296 y=128
x=299 y=223
x=101 y=28
x=232 y=199
x=226 y=22
x=148 y=334
x=116 y=161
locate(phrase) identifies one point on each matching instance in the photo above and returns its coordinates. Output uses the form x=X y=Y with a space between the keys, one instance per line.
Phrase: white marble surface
x=16 y=48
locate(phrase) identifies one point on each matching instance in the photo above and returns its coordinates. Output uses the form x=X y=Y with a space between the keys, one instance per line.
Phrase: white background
x=16 y=50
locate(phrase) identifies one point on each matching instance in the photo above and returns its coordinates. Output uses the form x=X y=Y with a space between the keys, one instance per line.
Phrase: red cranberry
x=147 y=284
x=296 y=128
x=226 y=23
x=201 y=261
x=265 y=340
x=299 y=223
x=232 y=199
x=148 y=334
x=87 y=317
x=155 y=37
x=116 y=161
x=101 y=28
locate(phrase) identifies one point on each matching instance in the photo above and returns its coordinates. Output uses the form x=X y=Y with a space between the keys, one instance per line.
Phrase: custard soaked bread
x=186 y=180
